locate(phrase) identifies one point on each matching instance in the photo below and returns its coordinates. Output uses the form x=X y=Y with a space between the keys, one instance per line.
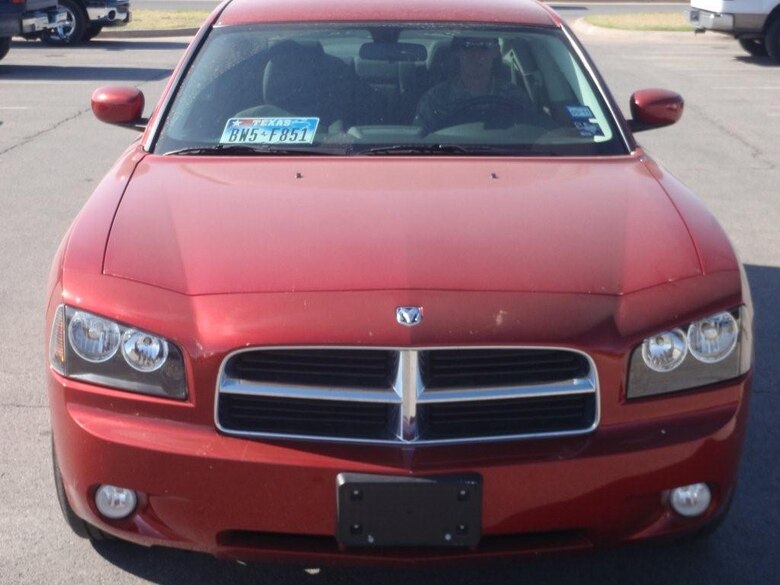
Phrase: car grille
x=407 y=396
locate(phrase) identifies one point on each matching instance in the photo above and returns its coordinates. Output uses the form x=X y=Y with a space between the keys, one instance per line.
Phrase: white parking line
x=748 y=88
x=14 y=108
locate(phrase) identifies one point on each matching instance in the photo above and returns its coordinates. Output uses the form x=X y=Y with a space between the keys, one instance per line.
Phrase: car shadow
x=107 y=45
x=757 y=60
x=743 y=550
x=81 y=73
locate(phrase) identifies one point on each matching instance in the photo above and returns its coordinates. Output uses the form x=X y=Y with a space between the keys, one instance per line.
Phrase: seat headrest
x=290 y=78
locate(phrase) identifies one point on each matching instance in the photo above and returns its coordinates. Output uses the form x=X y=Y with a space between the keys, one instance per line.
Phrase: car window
x=388 y=88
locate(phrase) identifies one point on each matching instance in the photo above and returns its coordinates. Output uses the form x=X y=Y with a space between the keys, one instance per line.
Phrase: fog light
x=115 y=502
x=691 y=500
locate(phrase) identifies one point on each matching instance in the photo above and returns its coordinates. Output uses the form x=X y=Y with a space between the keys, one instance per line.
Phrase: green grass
x=670 y=22
x=166 y=19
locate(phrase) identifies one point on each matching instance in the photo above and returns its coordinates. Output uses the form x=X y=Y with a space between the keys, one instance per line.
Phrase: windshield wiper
x=251 y=149
x=424 y=149
x=436 y=149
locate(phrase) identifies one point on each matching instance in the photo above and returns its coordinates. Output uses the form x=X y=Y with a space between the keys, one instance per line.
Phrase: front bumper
x=245 y=499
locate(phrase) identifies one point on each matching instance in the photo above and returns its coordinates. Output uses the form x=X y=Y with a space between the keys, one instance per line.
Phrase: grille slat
x=369 y=369
x=466 y=394
x=290 y=416
x=508 y=417
x=474 y=368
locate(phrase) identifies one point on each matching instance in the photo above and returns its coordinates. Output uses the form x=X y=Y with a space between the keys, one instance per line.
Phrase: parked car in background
x=85 y=19
x=393 y=281
x=754 y=23
x=24 y=17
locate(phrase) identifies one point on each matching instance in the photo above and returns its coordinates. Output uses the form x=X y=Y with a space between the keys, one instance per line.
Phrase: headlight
x=88 y=347
x=707 y=351
x=93 y=338
x=714 y=338
x=144 y=352
x=665 y=351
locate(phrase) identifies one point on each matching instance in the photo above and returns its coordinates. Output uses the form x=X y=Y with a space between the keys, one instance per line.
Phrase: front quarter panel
x=716 y=253
x=89 y=232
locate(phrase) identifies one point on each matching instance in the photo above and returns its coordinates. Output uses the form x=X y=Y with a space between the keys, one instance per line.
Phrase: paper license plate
x=378 y=510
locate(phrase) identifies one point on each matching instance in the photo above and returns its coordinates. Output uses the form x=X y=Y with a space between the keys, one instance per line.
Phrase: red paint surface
x=248 y=225
x=656 y=107
x=118 y=105
x=491 y=11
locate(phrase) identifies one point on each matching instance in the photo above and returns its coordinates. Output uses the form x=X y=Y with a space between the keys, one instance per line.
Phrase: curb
x=148 y=34
x=584 y=30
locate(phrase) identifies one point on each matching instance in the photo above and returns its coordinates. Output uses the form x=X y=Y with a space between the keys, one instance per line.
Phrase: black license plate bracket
x=379 y=510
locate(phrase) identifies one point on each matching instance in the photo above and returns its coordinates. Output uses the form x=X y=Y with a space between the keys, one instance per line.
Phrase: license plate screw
x=370 y=539
x=463 y=495
x=462 y=529
x=356 y=495
x=447 y=536
x=356 y=529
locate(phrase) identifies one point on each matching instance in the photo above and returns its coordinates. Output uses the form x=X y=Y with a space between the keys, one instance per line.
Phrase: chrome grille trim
x=407 y=392
x=233 y=386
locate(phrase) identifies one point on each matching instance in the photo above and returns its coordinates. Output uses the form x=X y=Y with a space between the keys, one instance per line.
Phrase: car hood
x=213 y=225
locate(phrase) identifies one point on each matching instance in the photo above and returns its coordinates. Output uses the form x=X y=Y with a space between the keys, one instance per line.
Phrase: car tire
x=5 y=46
x=73 y=30
x=92 y=31
x=772 y=39
x=753 y=46
x=77 y=525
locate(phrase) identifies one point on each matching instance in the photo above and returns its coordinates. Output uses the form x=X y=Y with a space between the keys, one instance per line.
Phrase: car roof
x=528 y=12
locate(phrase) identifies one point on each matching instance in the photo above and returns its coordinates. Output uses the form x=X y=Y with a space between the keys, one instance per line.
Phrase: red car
x=393 y=281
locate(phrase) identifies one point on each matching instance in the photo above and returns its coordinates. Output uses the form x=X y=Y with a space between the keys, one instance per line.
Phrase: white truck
x=754 y=23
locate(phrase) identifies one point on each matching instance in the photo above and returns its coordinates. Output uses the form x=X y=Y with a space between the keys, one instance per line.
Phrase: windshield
x=388 y=89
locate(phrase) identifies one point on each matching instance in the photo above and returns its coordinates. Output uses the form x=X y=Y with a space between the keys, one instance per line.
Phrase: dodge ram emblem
x=409 y=316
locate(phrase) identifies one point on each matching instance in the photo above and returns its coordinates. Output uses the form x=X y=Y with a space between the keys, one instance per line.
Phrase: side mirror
x=654 y=108
x=123 y=106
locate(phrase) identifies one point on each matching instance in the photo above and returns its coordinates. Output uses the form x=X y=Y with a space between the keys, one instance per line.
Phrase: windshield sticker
x=579 y=112
x=584 y=121
x=588 y=128
x=269 y=131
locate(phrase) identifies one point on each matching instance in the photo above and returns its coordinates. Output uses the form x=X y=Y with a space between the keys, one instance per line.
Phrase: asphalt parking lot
x=53 y=152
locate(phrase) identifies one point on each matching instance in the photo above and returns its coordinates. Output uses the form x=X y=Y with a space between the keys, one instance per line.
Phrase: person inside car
x=475 y=93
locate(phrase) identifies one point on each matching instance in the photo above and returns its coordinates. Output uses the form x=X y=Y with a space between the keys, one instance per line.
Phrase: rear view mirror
x=393 y=52
x=123 y=106
x=654 y=108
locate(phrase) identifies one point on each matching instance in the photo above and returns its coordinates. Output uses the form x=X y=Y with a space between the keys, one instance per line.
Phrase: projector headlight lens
x=93 y=338
x=665 y=351
x=714 y=338
x=144 y=351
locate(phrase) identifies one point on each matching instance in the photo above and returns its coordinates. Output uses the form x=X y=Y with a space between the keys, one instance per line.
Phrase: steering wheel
x=494 y=110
